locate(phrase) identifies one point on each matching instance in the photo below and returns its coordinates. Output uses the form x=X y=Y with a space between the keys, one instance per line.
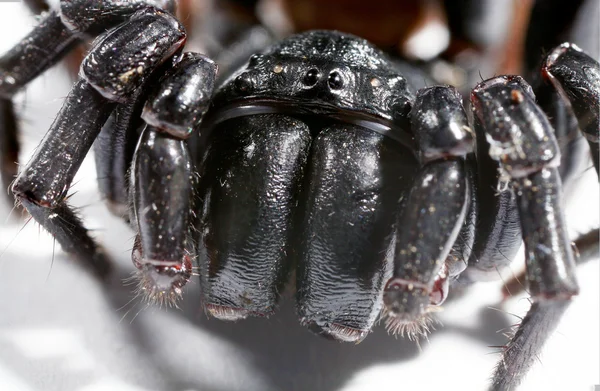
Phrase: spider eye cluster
x=335 y=80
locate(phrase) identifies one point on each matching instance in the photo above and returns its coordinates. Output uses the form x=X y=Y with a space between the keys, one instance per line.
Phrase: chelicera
x=317 y=159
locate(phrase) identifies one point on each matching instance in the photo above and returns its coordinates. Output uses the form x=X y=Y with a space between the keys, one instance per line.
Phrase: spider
x=326 y=121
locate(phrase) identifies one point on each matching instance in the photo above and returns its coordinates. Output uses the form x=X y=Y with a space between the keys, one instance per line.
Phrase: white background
x=61 y=330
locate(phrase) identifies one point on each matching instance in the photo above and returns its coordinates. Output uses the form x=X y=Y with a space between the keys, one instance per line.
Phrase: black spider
x=318 y=156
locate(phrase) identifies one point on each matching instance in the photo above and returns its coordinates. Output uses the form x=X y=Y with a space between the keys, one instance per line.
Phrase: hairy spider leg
x=164 y=178
x=431 y=219
x=147 y=40
x=57 y=34
x=523 y=142
x=47 y=43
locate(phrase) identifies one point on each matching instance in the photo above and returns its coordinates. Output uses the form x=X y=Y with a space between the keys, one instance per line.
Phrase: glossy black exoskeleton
x=309 y=152
x=318 y=160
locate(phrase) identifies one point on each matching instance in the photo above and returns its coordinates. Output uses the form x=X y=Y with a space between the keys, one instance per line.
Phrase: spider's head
x=161 y=281
x=408 y=304
x=324 y=73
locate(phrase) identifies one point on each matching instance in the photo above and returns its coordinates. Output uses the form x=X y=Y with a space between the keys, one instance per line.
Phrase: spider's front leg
x=163 y=178
x=433 y=215
x=522 y=141
x=150 y=38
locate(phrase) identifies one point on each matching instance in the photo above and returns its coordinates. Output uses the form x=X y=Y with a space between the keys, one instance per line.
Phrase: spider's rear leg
x=577 y=78
x=149 y=39
x=522 y=140
x=432 y=217
x=163 y=178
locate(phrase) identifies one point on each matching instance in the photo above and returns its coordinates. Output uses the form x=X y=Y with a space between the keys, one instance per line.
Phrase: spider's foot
x=161 y=282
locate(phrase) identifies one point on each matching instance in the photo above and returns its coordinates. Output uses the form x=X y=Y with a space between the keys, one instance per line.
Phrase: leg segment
x=520 y=353
x=162 y=182
x=43 y=47
x=522 y=140
x=149 y=39
x=9 y=143
x=46 y=178
x=577 y=77
x=42 y=186
x=67 y=228
x=498 y=234
x=163 y=178
x=56 y=35
x=113 y=151
x=431 y=219
x=586 y=248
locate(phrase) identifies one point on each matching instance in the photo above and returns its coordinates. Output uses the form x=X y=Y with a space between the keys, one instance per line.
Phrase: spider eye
x=335 y=80
x=311 y=78
x=255 y=59
x=243 y=83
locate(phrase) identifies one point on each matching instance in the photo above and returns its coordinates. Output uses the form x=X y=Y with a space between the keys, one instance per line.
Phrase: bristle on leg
x=413 y=329
x=160 y=282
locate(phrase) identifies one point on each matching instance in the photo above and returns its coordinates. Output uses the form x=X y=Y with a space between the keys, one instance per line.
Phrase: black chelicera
x=316 y=157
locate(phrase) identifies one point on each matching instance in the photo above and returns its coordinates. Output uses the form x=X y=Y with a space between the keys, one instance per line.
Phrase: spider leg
x=576 y=76
x=433 y=215
x=163 y=177
x=9 y=143
x=113 y=152
x=147 y=40
x=162 y=183
x=66 y=227
x=46 y=178
x=498 y=234
x=586 y=248
x=522 y=140
x=525 y=346
x=41 y=49
x=45 y=45
x=55 y=36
